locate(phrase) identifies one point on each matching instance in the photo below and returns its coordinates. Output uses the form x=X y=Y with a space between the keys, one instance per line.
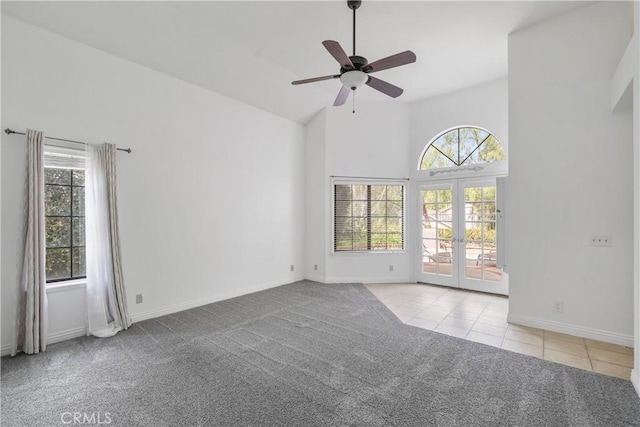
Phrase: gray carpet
x=304 y=354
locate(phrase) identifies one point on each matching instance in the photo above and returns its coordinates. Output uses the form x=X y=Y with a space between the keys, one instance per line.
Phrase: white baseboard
x=635 y=380
x=315 y=278
x=579 y=331
x=162 y=311
x=53 y=338
x=372 y=279
x=66 y=335
x=5 y=350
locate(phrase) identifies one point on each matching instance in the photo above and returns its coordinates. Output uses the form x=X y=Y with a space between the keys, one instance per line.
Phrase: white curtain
x=32 y=323
x=106 y=298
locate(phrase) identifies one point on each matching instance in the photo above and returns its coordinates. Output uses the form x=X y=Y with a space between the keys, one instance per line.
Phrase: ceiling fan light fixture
x=354 y=79
x=355 y=69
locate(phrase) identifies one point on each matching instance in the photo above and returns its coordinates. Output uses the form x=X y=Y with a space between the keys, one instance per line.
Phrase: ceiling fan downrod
x=353 y=5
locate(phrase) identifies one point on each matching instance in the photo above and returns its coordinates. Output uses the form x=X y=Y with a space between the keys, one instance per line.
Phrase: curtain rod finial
x=8 y=131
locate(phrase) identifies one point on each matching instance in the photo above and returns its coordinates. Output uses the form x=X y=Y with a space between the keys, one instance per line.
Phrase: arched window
x=461 y=146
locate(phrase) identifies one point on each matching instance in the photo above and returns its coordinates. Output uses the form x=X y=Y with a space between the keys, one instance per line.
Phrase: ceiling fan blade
x=338 y=53
x=402 y=58
x=315 y=79
x=384 y=87
x=342 y=96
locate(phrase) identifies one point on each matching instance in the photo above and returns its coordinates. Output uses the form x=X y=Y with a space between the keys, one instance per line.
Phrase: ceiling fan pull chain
x=354 y=102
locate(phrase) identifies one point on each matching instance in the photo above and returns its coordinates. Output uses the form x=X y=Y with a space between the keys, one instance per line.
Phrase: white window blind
x=58 y=157
x=368 y=217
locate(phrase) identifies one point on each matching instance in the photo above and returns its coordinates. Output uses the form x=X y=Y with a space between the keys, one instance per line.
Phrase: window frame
x=402 y=184
x=496 y=164
x=70 y=159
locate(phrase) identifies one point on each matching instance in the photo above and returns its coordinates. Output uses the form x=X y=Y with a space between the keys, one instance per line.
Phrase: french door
x=459 y=235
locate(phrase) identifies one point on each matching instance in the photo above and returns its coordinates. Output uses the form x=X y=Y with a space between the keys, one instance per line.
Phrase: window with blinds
x=368 y=217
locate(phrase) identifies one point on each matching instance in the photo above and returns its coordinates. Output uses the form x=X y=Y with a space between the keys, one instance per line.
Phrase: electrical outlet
x=315 y=267
x=291 y=267
x=139 y=299
x=558 y=307
x=391 y=267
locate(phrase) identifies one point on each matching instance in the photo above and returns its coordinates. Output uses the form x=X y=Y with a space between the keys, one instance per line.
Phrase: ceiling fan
x=355 y=70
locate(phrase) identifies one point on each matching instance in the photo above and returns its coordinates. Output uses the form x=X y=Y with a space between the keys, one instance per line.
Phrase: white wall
x=316 y=198
x=211 y=199
x=570 y=163
x=383 y=140
x=373 y=142
x=635 y=373
x=636 y=158
x=485 y=106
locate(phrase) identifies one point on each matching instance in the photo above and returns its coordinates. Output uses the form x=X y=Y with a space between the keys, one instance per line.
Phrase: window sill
x=341 y=253
x=66 y=286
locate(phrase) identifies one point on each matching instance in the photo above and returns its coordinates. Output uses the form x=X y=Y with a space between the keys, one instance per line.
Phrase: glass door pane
x=480 y=233
x=438 y=260
x=459 y=235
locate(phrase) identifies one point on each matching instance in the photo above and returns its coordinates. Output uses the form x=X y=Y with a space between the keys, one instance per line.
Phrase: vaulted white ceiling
x=251 y=51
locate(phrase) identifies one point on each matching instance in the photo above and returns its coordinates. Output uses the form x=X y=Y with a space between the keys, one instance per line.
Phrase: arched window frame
x=499 y=166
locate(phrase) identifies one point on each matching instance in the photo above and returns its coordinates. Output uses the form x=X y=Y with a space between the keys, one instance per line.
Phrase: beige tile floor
x=483 y=318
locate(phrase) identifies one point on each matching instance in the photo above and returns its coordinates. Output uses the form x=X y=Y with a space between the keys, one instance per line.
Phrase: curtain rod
x=369 y=177
x=9 y=132
x=470 y=168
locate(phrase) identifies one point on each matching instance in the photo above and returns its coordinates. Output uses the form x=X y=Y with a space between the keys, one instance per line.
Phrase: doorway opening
x=461 y=233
